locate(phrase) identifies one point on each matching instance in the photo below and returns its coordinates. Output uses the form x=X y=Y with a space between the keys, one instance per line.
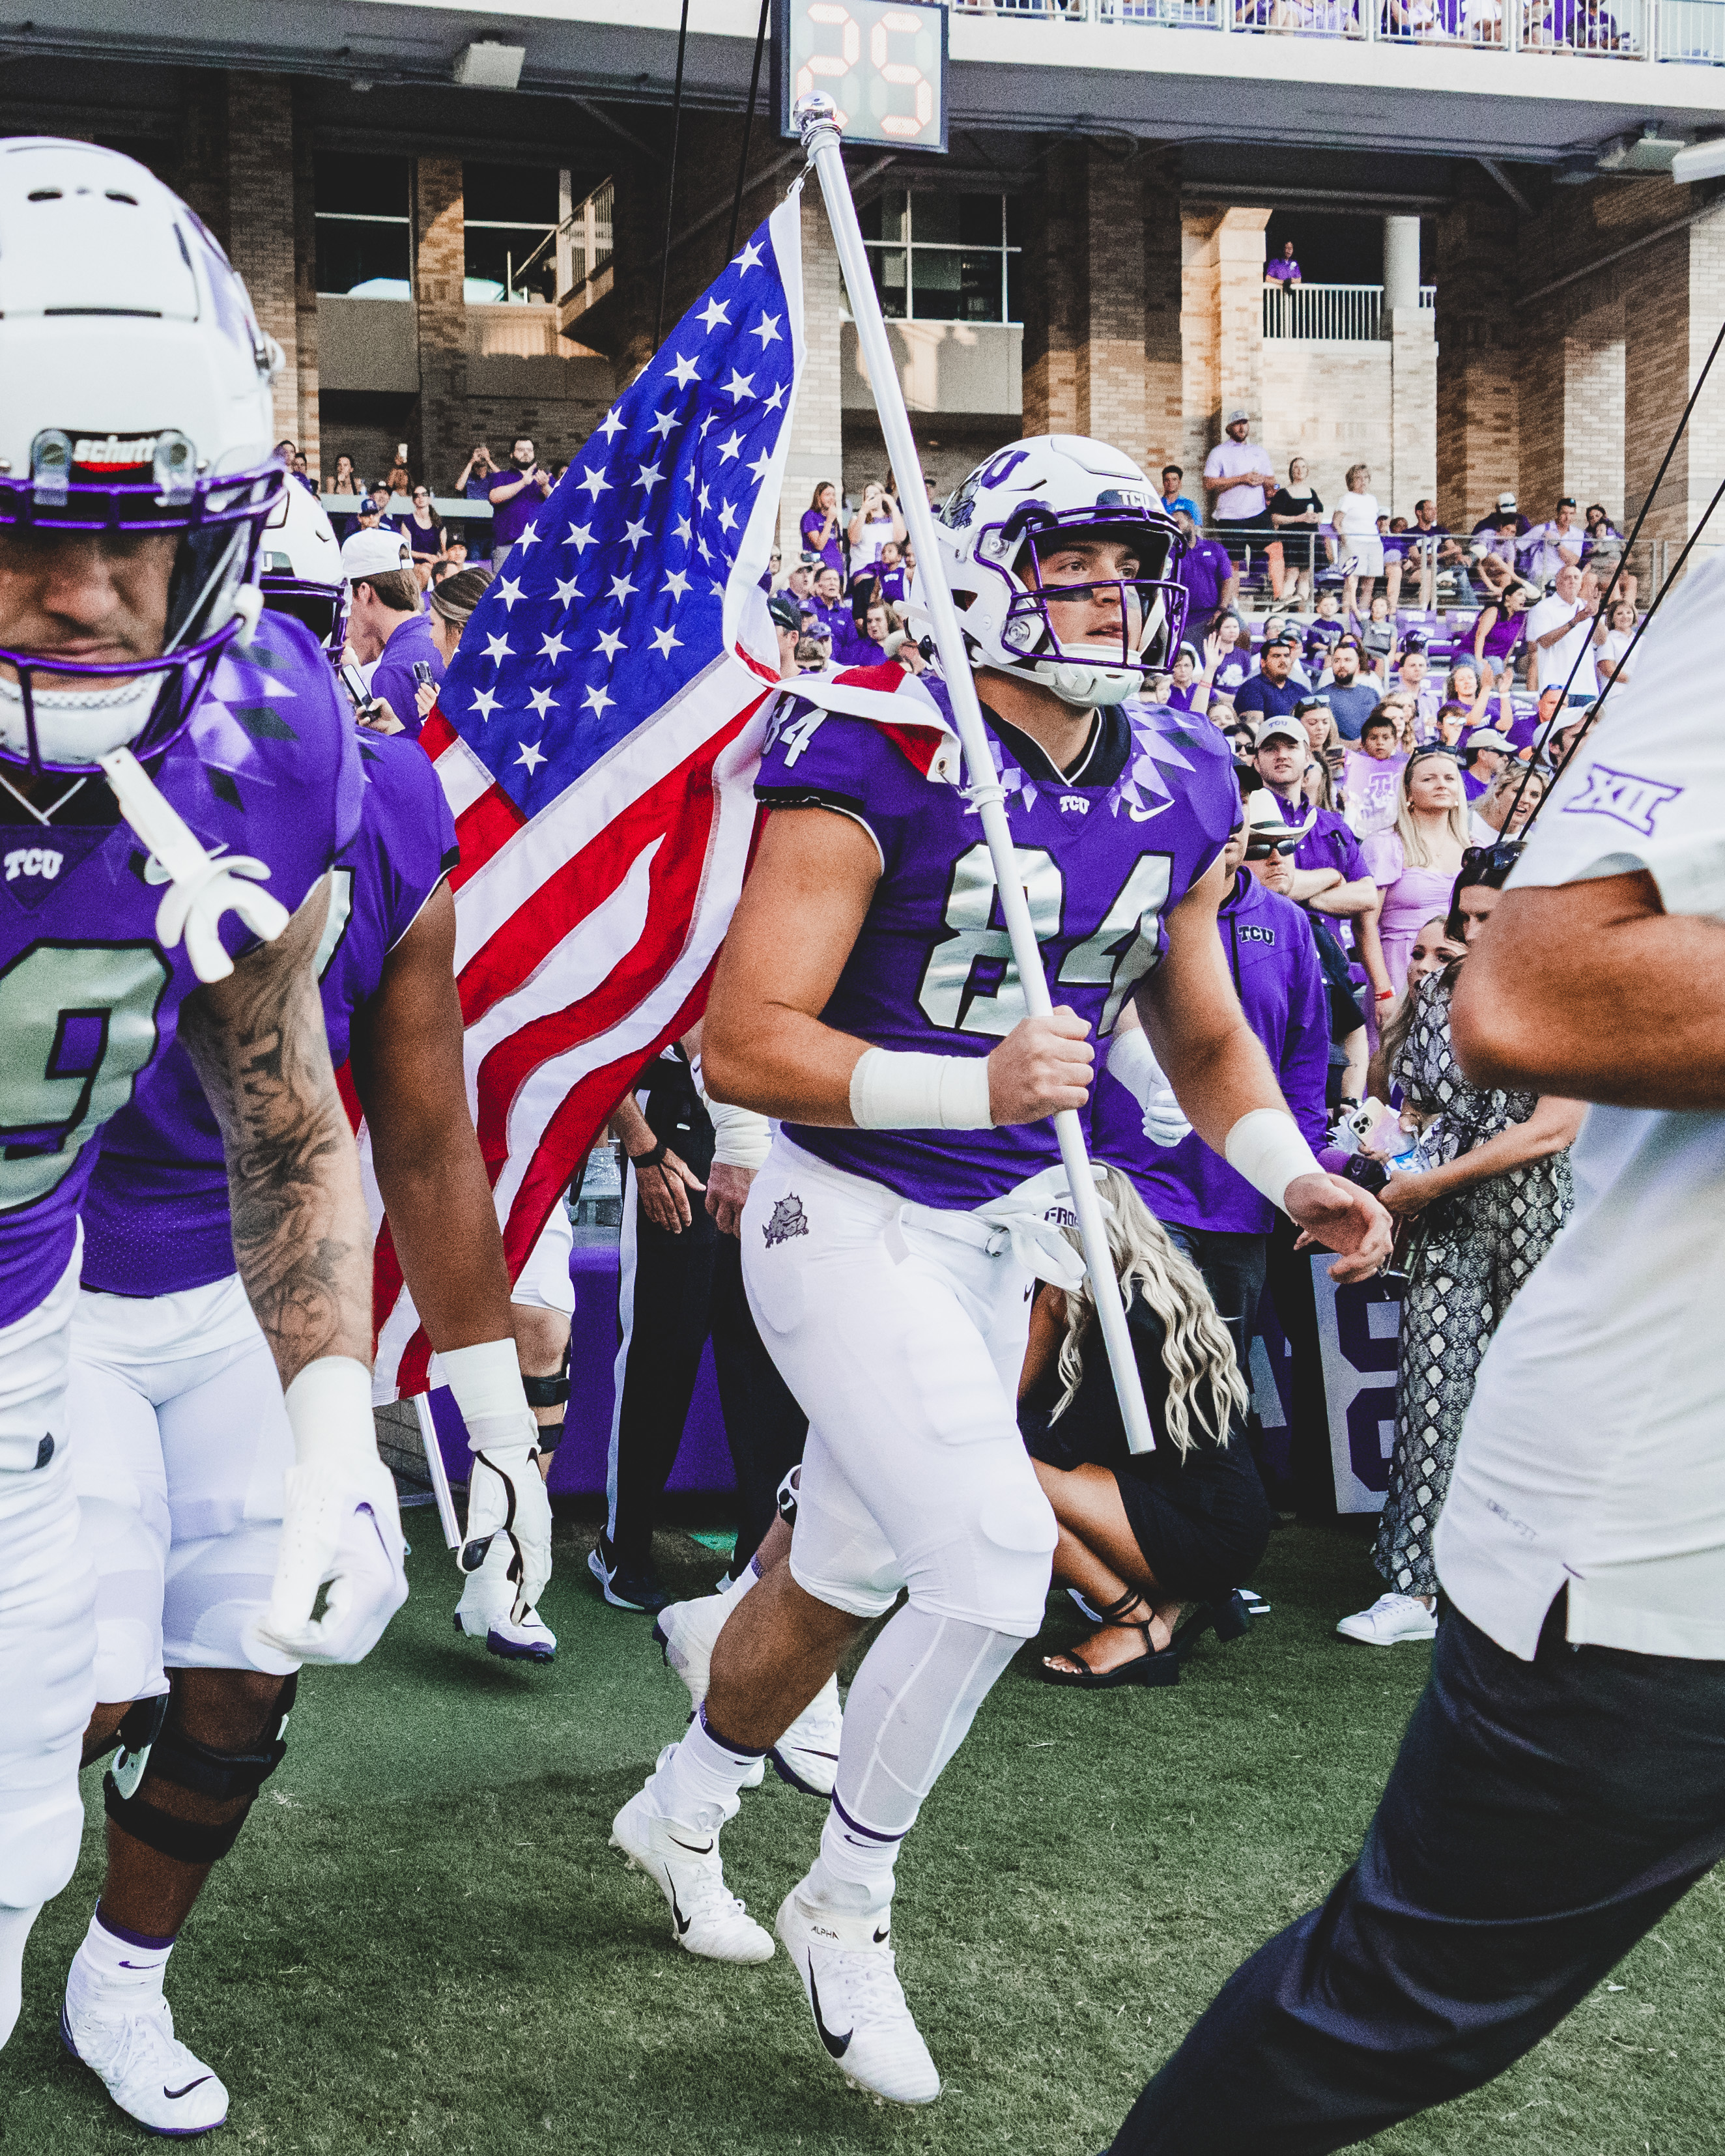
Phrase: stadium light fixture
x=485 y=64
x=1700 y=161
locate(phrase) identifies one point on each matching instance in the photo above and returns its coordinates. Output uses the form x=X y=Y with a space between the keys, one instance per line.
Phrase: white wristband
x=899 y=1090
x=1265 y=1146
x=742 y=1139
x=329 y=1407
x=1131 y=1060
x=486 y=1382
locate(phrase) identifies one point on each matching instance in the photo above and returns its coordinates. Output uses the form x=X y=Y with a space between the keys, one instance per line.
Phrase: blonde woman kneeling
x=1142 y=1535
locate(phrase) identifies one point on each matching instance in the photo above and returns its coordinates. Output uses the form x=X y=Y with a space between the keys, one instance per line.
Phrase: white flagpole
x=817 y=119
x=438 y=1473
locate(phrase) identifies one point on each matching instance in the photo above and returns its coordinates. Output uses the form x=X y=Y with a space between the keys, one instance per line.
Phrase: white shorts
x=47 y=1608
x=903 y=1343
x=545 y=1283
x=181 y=1446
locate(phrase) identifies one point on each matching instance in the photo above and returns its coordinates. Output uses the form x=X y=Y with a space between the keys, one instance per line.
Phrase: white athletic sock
x=124 y=1967
x=733 y=1590
x=908 y=1710
x=704 y=1771
x=14 y=1929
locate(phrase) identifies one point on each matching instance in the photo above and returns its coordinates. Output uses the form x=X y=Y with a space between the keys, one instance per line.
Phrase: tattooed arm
x=302 y=1236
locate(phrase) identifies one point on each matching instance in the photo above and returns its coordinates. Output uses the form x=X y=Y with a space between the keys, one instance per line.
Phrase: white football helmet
x=299 y=566
x=988 y=531
x=134 y=400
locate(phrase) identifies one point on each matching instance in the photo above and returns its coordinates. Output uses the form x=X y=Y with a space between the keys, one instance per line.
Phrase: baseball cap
x=787 y=613
x=1505 y=501
x=1290 y=635
x=1488 y=737
x=375 y=552
x=1274 y=729
x=1235 y=417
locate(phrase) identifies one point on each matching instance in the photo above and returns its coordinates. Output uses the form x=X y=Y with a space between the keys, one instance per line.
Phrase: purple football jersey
x=1280 y=986
x=1104 y=851
x=91 y=1001
x=156 y=1217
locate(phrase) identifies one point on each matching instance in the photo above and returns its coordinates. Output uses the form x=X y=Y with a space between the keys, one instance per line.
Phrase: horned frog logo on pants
x=788 y=1220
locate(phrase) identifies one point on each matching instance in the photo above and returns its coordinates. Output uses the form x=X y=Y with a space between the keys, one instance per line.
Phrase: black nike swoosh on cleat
x=173 y=2095
x=683 y=1922
x=695 y=1849
x=837 y=2046
x=881 y=1937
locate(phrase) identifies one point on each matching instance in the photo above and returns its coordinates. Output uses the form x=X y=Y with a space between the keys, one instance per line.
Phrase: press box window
x=945 y=258
x=511 y=213
x=365 y=230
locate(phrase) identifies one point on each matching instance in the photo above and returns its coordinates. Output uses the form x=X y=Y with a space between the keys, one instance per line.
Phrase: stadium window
x=945 y=258
x=365 y=229
x=511 y=216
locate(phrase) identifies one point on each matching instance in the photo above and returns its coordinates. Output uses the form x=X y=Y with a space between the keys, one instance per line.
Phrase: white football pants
x=183 y=1444
x=47 y=1609
x=902 y=1337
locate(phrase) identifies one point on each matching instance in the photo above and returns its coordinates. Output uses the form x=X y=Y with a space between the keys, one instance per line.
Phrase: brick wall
x=1108 y=347
x=1162 y=305
x=1054 y=295
x=260 y=216
x=817 y=450
x=1478 y=269
x=436 y=434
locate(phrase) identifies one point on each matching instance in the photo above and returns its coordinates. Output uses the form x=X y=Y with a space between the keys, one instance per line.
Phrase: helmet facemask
x=1138 y=607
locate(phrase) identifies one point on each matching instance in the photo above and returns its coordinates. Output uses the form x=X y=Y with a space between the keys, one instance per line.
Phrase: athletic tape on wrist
x=486 y=1379
x=1265 y=1146
x=1132 y=1063
x=741 y=1137
x=901 y=1090
x=329 y=1407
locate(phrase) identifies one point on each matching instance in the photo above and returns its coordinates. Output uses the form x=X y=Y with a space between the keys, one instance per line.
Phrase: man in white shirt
x=1548 y=546
x=1236 y=473
x=1559 y=636
x=1562 y=1783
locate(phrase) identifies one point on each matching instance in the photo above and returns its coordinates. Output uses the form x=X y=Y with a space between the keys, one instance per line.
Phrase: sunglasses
x=1264 y=850
x=1500 y=859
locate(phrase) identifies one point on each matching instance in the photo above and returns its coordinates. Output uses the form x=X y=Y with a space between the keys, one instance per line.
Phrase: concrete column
x=440 y=265
x=1054 y=294
x=1401 y=263
x=1221 y=328
x=260 y=216
x=817 y=451
x=1479 y=275
x=1674 y=297
x=1571 y=401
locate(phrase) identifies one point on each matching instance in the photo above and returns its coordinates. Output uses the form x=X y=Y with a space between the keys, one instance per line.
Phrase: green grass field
x=423 y=1944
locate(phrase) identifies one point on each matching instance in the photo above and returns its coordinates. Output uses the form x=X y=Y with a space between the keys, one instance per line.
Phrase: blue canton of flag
x=635 y=573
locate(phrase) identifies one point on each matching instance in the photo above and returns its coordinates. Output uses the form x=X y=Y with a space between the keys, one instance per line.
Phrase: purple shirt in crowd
x=1276 y=974
x=269 y=766
x=510 y=518
x=155 y=1218
x=1205 y=569
x=1119 y=840
x=833 y=553
x=393 y=677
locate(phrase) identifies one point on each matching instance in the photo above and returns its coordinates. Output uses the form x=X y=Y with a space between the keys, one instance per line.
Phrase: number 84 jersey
x=1104 y=850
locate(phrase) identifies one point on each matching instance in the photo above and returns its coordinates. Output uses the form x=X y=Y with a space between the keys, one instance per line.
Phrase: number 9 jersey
x=1104 y=850
x=90 y=1000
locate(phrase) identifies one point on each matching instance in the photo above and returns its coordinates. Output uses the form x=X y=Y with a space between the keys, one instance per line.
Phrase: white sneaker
x=688 y=1632
x=850 y=1975
x=149 y=2073
x=1390 y=1619
x=682 y=1860
x=807 y=1755
x=487 y=1608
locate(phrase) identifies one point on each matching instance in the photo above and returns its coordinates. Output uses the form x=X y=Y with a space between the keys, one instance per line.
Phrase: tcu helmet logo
x=788 y=1218
x=1623 y=797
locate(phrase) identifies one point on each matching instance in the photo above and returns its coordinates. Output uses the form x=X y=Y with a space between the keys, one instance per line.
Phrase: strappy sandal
x=1155 y=1666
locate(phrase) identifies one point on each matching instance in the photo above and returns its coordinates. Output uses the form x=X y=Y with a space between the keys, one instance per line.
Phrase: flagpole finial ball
x=812 y=113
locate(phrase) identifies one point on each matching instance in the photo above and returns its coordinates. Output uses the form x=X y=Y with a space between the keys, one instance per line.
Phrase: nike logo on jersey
x=837 y=2046
x=173 y=2096
x=154 y=871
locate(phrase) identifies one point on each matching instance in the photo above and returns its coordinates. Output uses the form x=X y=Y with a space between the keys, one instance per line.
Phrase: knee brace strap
x=547 y=1392
x=787 y=1494
x=139 y=1727
x=222 y=1775
x=551 y=1436
x=186 y=1842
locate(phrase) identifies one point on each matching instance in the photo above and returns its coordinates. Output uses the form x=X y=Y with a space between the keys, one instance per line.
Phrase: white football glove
x=1132 y=1061
x=340 y=1525
x=506 y=1492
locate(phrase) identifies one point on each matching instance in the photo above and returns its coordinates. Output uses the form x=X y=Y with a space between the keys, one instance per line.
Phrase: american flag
x=597 y=735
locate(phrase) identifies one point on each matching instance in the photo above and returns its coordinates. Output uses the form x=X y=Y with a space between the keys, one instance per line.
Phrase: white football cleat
x=144 y=2067
x=486 y=1610
x=1392 y=1618
x=850 y=1975
x=683 y=1861
x=807 y=1755
x=688 y=1632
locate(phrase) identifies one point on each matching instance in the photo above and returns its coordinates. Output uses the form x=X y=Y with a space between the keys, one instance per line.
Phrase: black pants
x=681 y=1288
x=1540 y=1819
x=1311 y=1472
x=1233 y=1268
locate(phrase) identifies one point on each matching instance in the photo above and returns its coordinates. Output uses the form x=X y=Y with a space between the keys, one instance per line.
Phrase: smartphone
x=354 y=682
x=421 y=672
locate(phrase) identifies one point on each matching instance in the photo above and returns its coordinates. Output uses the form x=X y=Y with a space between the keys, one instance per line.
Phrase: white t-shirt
x=875 y=533
x=1544 y=549
x=1593 y=1452
x=1227 y=458
x=1355 y=517
x=1556 y=659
